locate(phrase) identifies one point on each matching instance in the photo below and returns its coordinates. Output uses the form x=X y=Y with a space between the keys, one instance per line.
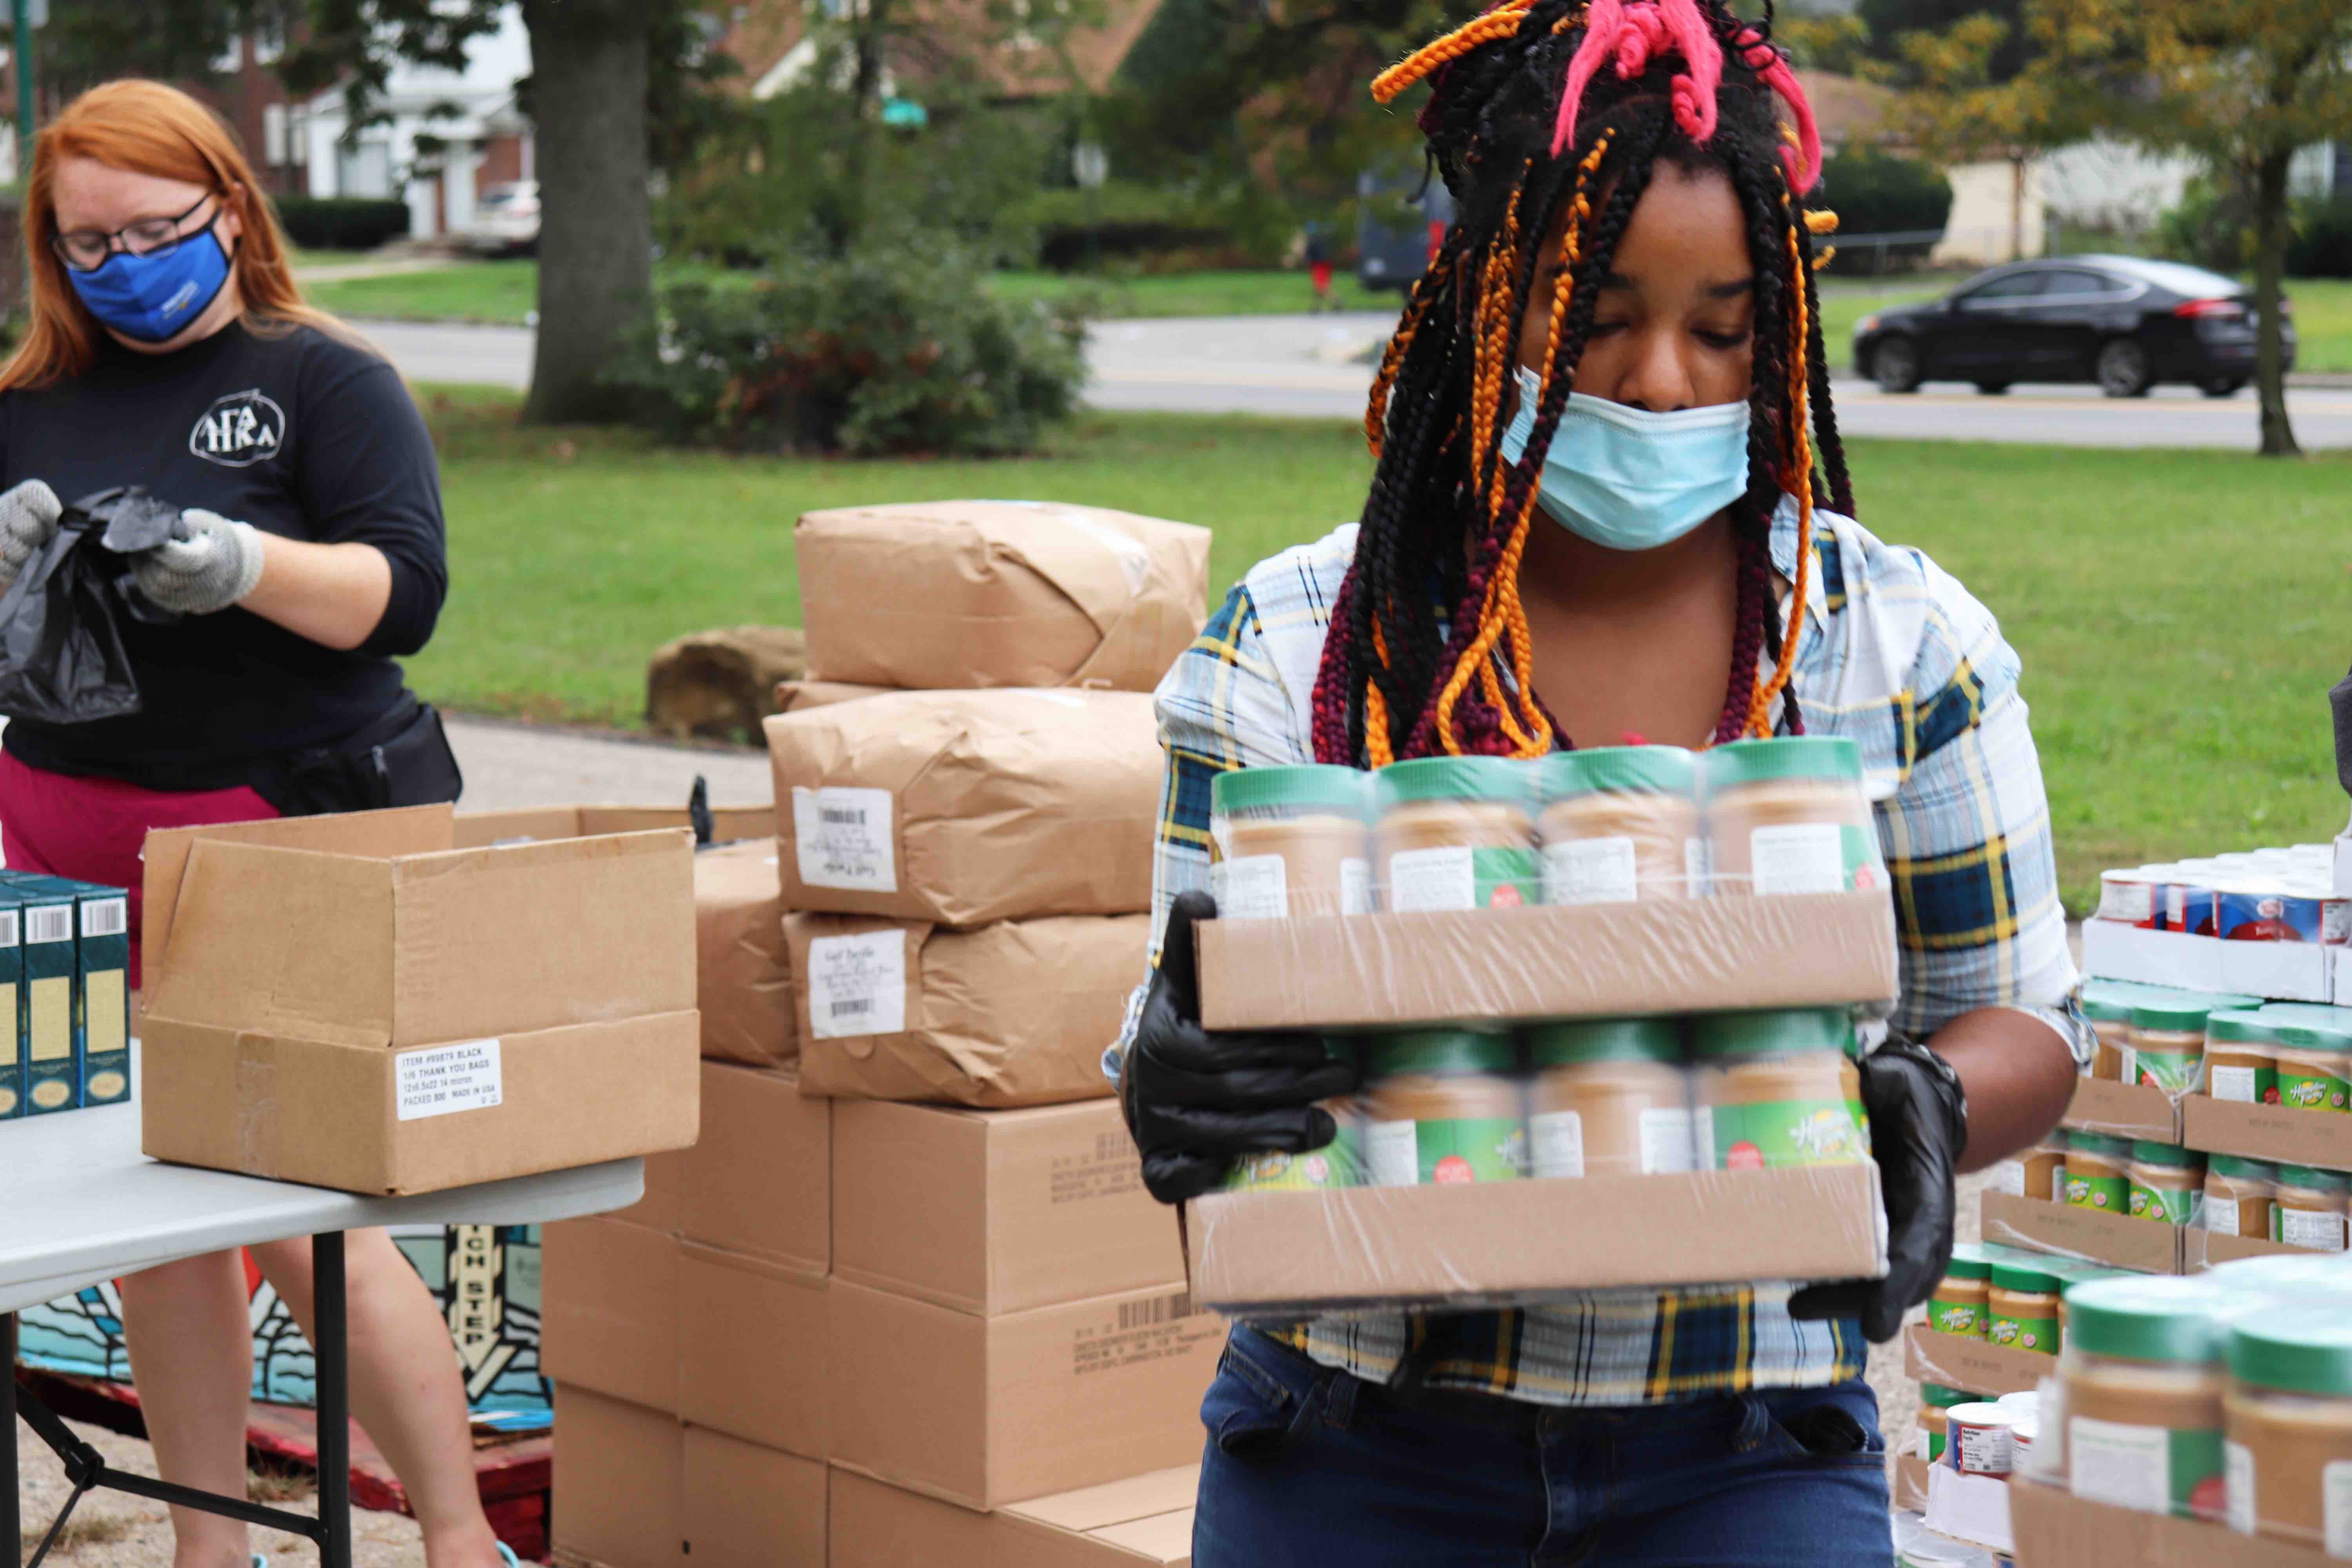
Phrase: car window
x=2191 y=282
x=2073 y=280
x=2012 y=286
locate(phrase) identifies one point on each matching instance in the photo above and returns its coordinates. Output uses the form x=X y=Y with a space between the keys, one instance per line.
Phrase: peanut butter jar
x=2098 y=1173
x=2024 y=1307
x=2145 y=1379
x=1339 y=1164
x=2313 y=1052
x=2238 y=1196
x=1962 y=1300
x=1788 y=816
x=2168 y=1042
x=1609 y=1098
x=2167 y=1183
x=2307 y=1208
x=2288 y=1414
x=2242 y=1058
x=2109 y=1014
x=1779 y=1088
x=1455 y=833
x=1290 y=841
x=1441 y=1107
x=2035 y=1173
x=1621 y=822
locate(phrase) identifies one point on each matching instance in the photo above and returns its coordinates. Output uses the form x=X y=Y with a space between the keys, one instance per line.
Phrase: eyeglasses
x=86 y=249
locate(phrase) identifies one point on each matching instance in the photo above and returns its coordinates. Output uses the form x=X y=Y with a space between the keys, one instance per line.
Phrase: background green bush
x=343 y=222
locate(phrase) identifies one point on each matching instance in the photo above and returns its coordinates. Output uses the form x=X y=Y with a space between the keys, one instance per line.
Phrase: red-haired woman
x=1593 y=516
x=170 y=348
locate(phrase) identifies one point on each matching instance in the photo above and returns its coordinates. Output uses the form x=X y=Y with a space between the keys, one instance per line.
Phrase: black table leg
x=12 y=1526
x=332 y=1352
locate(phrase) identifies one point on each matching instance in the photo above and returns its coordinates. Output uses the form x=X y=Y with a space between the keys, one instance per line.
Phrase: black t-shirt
x=298 y=434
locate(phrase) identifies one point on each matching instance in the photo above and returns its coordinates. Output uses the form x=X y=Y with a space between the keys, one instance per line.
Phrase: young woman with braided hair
x=1610 y=504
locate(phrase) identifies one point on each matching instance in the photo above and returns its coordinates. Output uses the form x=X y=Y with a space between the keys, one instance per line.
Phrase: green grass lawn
x=497 y=294
x=2178 y=613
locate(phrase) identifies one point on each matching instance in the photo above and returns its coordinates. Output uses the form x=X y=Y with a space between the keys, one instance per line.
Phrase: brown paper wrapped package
x=968 y=807
x=792 y=696
x=990 y=592
x=1013 y=1014
x=743 y=980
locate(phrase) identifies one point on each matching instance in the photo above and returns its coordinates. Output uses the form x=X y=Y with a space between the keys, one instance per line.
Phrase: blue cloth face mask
x=152 y=298
x=1626 y=479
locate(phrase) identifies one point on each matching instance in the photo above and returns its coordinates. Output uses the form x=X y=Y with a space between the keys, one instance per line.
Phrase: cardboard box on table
x=983 y=1411
x=531 y=824
x=619 y=1483
x=2092 y=1236
x=968 y=807
x=1265 y=1253
x=2202 y=1249
x=1973 y=1365
x=2124 y=1110
x=2051 y=1529
x=349 y=1001
x=996 y=1211
x=1128 y=1524
x=748 y=1507
x=743 y=976
x=2283 y=1134
x=995 y=593
x=1006 y=1015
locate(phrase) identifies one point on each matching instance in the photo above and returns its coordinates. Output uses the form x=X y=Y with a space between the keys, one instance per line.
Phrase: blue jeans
x=1309 y=1468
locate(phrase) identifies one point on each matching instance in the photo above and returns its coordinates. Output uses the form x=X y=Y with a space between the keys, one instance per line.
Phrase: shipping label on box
x=2124 y=1110
x=2283 y=1134
x=1270 y=1253
x=2151 y=1247
x=1974 y=1365
x=1679 y=955
x=996 y=1211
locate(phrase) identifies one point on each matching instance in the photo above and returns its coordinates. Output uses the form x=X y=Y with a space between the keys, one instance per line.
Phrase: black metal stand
x=89 y=1471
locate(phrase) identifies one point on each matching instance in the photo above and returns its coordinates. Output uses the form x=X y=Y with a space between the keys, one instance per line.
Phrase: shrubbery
x=1876 y=193
x=2215 y=228
x=894 y=348
x=343 y=222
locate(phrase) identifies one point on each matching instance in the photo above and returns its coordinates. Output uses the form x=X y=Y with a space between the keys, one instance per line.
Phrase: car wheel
x=1895 y=365
x=2123 y=369
x=2220 y=386
x=1992 y=388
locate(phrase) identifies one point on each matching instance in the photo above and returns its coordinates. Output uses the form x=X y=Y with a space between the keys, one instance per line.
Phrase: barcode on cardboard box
x=54 y=923
x=106 y=917
x=1159 y=1310
x=10 y=932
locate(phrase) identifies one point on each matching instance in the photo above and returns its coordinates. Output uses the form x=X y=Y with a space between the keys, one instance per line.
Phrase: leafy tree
x=1887 y=21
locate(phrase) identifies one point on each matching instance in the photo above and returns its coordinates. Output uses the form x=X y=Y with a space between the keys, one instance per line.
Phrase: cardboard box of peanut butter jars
x=1606 y=1004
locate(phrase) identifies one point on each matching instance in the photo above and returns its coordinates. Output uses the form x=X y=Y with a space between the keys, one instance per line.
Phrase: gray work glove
x=28 y=520
x=214 y=566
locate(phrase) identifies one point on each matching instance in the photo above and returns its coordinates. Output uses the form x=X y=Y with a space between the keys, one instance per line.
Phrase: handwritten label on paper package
x=858 y=985
x=441 y=1080
x=842 y=838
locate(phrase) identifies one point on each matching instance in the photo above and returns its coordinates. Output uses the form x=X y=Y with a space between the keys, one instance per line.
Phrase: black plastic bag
x=2339 y=699
x=62 y=660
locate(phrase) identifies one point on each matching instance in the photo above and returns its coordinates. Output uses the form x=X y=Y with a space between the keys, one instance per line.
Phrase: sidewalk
x=511 y=764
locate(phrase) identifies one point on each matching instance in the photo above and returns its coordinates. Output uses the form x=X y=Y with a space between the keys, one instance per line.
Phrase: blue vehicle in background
x=1402 y=219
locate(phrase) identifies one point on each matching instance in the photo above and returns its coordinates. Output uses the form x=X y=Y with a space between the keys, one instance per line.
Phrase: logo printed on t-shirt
x=239 y=430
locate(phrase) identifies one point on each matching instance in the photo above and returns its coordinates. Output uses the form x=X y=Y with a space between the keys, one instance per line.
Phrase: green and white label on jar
x=2149 y=1470
x=2180 y=1205
x=2244 y=1086
x=2314 y=1228
x=2311 y=1091
x=2175 y=1072
x=1591 y=871
x=1442 y=1154
x=2222 y=1215
x=2336 y=1507
x=2238 y=1486
x=1780 y=1133
x=1811 y=857
x=2037 y=1334
x=1315 y=1170
x=1459 y=878
x=1956 y=1318
x=2109 y=1194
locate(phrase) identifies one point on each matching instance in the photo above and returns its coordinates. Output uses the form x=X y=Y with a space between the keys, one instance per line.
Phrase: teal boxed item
x=16 y=1054
x=46 y=1002
x=101 y=996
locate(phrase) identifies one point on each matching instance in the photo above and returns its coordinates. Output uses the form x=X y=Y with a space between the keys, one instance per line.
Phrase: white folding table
x=79 y=1204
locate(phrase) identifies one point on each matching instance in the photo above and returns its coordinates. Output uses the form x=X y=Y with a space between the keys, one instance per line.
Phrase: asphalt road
x=1313 y=366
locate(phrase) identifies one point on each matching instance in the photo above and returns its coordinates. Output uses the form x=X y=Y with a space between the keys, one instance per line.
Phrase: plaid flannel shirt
x=1893 y=653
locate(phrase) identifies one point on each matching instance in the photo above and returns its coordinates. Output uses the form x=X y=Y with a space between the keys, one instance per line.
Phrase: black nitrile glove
x=1918 y=1125
x=1196 y=1101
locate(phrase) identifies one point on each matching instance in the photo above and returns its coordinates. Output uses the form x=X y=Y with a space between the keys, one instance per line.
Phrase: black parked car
x=2122 y=322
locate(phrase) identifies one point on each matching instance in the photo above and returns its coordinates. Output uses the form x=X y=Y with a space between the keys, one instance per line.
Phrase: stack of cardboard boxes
x=906 y=1301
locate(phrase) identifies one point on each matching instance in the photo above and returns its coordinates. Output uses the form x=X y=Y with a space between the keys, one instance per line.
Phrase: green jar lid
x=2185 y=1017
x=1968 y=1262
x=2023 y=1279
x=2318 y=1179
x=1454 y=778
x=1787 y=757
x=2105 y=1009
x=2098 y=1143
x=1936 y=1396
x=2154 y=1317
x=1657 y=770
x=2295 y=1350
x=1309 y=784
x=1784 y=1031
x=1570 y=1042
x=2154 y=1153
x=2237 y=1024
x=2303 y=1278
x=2243 y=1169
x=2308 y=1026
x=1440 y=1051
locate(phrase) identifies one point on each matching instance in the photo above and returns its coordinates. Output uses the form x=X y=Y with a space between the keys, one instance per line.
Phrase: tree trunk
x=2016 y=207
x=595 y=238
x=2270 y=266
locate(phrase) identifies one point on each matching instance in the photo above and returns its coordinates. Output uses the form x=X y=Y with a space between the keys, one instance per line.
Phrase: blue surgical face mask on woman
x=1627 y=478
x=152 y=298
